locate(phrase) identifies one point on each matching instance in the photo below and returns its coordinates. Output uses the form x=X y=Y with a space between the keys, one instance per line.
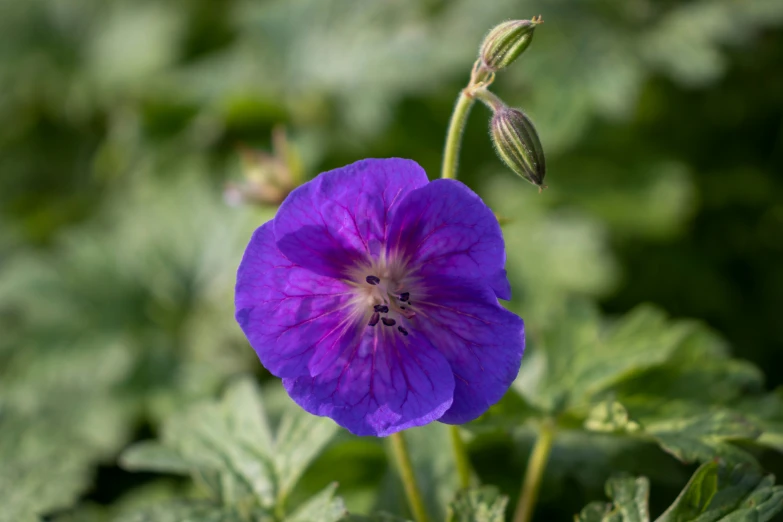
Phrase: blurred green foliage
x=715 y=492
x=663 y=128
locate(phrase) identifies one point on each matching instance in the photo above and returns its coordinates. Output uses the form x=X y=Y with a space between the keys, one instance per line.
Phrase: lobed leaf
x=323 y=507
x=484 y=504
x=228 y=448
x=715 y=492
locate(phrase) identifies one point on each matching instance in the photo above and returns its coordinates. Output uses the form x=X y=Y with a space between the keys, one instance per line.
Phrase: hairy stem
x=534 y=472
x=460 y=457
x=401 y=456
x=454 y=136
x=488 y=98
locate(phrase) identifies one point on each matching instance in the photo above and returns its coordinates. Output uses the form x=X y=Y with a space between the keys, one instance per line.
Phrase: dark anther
x=402 y=308
x=405 y=296
x=373 y=280
x=402 y=330
x=374 y=319
x=387 y=321
x=381 y=308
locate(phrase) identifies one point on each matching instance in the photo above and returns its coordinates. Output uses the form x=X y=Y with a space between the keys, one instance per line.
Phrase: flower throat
x=387 y=300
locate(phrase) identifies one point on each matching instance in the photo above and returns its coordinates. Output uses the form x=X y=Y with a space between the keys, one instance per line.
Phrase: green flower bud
x=516 y=142
x=506 y=42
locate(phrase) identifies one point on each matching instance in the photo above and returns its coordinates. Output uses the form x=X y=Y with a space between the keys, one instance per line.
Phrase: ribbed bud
x=516 y=142
x=506 y=42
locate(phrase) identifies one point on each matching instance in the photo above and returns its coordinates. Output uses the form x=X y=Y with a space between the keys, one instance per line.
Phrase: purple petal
x=482 y=341
x=500 y=285
x=289 y=314
x=342 y=216
x=388 y=383
x=445 y=229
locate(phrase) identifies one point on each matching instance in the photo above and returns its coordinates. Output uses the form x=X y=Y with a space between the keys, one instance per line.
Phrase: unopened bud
x=516 y=142
x=506 y=42
x=268 y=177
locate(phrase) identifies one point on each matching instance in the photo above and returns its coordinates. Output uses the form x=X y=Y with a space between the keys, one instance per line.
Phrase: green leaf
x=233 y=465
x=192 y=511
x=598 y=512
x=629 y=502
x=322 y=507
x=228 y=448
x=767 y=412
x=483 y=504
x=154 y=456
x=686 y=435
x=47 y=450
x=610 y=417
x=630 y=496
x=699 y=371
x=644 y=377
x=36 y=479
x=509 y=413
x=246 y=411
x=720 y=492
x=300 y=438
x=703 y=437
x=579 y=356
x=716 y=492
x=377 y=517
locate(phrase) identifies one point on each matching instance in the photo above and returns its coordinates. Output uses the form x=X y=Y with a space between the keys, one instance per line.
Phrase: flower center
x=383 y=295
x=390 y=303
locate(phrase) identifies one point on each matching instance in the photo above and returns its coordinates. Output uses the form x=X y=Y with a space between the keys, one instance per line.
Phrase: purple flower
x=374 y=295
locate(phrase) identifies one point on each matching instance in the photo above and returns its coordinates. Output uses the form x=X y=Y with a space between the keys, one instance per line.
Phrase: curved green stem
x=489 y=99
x=454 y=135
x=461 y=457
x=401 y=456
x=534 y=472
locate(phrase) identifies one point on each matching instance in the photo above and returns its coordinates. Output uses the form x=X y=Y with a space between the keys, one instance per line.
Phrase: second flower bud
x=516 y=142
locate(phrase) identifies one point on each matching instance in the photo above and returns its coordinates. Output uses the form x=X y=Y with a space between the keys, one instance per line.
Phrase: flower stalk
x=500 y=48
x=402 y=458
x=489 y=99
x=460 y=457
x=480 y=77
x=535 y=472
x=454 y=136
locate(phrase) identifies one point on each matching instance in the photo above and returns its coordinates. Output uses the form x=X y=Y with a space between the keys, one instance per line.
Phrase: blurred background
x=142 y=142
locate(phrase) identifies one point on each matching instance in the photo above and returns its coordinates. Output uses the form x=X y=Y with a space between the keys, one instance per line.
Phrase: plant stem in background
x=460 y=457
x=534 y=472
x=401 y=456
x=454 y=136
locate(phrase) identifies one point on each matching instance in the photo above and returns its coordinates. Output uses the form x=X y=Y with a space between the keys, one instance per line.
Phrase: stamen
x=405 y=296
x=387 y=321
x=381 y=308
x=374 y=319
x=402 y=308
x=402 y=330
x=373 y=280
x=408 y=314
